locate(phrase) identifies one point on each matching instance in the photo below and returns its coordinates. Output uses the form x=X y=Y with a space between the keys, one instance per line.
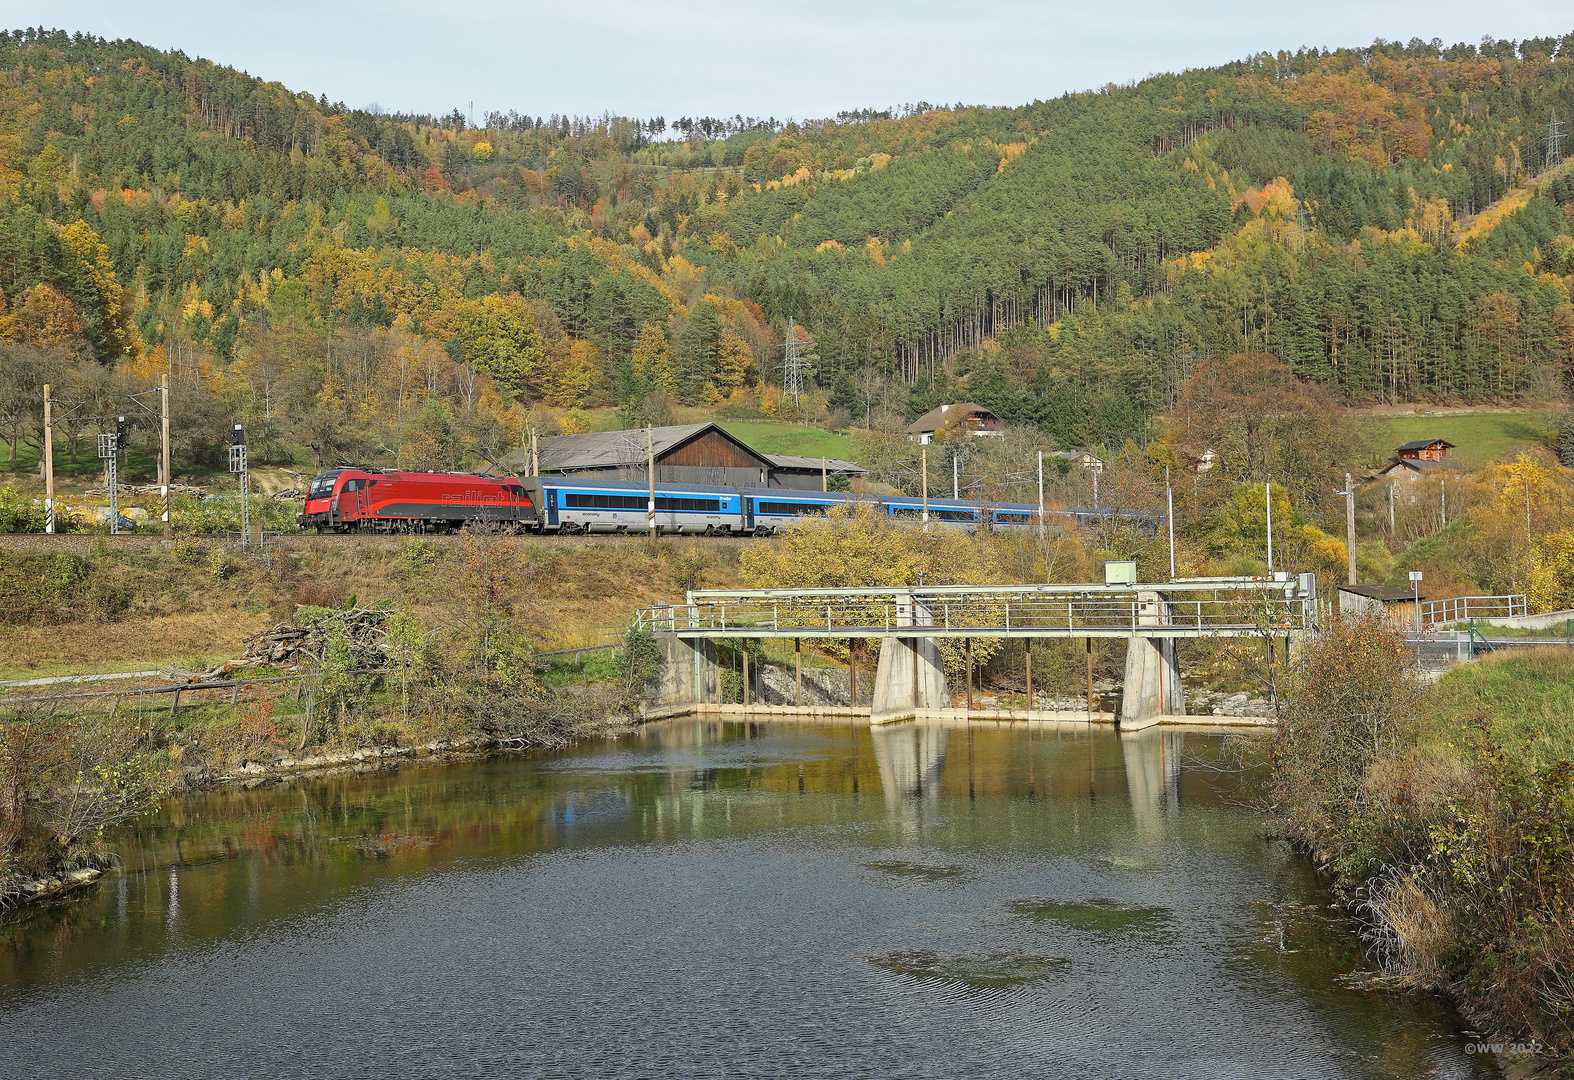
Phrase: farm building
x=685 y=454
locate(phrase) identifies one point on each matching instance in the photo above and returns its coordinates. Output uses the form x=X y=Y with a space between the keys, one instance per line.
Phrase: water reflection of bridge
x=912 y=762
x=909 y=622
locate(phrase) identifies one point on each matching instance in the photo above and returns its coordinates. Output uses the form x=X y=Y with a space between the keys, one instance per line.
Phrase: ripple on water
x=922 y=871
x=976 y=970
x=1097 y=915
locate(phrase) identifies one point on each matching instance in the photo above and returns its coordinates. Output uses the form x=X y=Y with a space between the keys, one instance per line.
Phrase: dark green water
x=719 y=899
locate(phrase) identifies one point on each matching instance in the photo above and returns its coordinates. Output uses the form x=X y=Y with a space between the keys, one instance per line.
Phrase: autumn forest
x=1392 y=222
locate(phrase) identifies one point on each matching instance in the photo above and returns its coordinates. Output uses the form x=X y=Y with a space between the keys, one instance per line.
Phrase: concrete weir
x=689 y=674
x=911 y=673
x=1152 y=687
x=910 y=677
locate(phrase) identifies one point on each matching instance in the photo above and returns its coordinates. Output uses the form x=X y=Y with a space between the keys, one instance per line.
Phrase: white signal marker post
x=49 y=462
x=1415 y=585
x=1169 y=517
x=1041 y=496
x=923 y=457
x=650 y=449
x=164 y=480
x=1267 y=501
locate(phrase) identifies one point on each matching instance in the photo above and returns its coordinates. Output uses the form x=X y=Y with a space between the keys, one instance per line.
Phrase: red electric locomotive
x=385 y=500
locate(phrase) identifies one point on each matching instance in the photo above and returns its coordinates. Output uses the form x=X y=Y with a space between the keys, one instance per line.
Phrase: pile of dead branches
x=130 y=490
x=287 y=646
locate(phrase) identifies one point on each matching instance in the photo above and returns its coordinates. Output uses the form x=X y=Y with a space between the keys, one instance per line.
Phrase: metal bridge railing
x=984 y=612
x=1462 y=608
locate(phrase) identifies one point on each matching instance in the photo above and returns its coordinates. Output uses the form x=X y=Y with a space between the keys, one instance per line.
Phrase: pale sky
x=798 y=58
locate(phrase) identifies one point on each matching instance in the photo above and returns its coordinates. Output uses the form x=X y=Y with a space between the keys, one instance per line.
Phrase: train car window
x=711 y=506
x=790 y=509
x=353 y=485
x=583 y=501
x=1013 y=517
x=954 y=515
x=906 y=512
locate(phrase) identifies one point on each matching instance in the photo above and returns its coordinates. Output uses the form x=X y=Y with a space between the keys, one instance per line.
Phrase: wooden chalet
x=1423 y=450
x=965 y=415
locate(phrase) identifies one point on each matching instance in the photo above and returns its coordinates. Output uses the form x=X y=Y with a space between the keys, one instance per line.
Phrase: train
x=366 y=499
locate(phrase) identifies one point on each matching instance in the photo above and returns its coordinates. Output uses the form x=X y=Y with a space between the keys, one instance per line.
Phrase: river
x=706 y=898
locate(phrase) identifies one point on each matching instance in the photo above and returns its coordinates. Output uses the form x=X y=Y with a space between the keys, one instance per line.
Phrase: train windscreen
x=322 y=485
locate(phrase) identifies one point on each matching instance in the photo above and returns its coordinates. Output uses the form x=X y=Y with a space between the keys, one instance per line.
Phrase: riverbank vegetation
x=1446 y=816
x=451 y=660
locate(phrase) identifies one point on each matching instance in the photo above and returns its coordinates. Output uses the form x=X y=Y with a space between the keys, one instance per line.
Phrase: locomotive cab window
x=322 y=486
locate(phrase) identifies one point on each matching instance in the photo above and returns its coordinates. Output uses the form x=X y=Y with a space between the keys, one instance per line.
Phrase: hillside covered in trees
x=1390 y=221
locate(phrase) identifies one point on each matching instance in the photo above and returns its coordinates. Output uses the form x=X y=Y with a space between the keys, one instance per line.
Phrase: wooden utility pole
x=797 y=667
x=852 y=675
x=825 y=476
x=164 y=477
x=969 y=646
x=535 y=455
x=49 y=462
x=1090 y=681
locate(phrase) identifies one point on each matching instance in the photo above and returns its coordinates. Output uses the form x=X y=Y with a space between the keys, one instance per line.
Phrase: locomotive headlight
x=334 y=503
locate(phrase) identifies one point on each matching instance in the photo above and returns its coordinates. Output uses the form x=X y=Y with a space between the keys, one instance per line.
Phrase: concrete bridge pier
x=689 y=675
x=1153 y=685
x=911 y=673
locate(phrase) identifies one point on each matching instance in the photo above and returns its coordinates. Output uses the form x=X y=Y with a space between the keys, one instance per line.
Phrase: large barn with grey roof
x=684 y=453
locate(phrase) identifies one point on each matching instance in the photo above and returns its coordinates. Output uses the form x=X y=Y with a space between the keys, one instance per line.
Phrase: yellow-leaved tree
x=652 y=358
x=498 y=335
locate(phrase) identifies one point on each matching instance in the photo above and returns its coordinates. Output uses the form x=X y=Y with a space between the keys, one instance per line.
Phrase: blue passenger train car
x=573 y=505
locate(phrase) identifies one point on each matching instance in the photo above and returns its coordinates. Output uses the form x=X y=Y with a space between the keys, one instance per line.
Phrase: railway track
x=38 y=542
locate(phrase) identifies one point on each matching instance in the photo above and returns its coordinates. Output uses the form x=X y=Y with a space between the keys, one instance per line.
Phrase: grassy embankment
x=1447 y=817
x=138 y=607
x=1479 y=438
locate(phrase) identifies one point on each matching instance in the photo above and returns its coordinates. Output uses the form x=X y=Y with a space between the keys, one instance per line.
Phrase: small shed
x=809 y=473
x=1423 y=450
x=1411 y=469
x=1398 y=604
